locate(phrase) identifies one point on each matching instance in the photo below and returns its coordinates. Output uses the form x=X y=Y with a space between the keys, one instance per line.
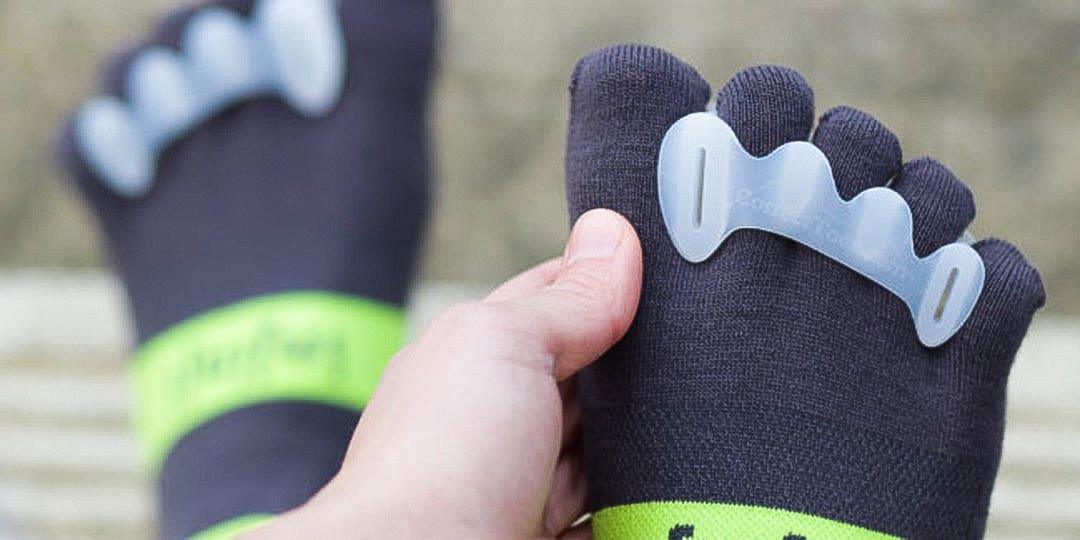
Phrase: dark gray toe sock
x=260 y=199
x=261 y=202
x=770 y=390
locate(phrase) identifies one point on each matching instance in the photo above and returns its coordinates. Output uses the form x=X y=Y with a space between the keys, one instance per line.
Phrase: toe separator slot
x=945 y=294
x=708 y=180
x=700 y=199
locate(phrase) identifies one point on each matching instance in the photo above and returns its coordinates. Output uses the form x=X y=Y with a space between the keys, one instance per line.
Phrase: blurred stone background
x=992 y=88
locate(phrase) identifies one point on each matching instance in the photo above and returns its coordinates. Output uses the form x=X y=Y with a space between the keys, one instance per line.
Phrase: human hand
x=474 y=429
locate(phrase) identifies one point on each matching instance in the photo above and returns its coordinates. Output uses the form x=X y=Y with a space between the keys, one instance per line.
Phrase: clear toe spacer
x=709 y=187
x=292 y=49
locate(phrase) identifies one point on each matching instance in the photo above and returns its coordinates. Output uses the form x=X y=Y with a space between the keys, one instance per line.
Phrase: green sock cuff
x=718 y=521
x=303 y=346
x=234 y=527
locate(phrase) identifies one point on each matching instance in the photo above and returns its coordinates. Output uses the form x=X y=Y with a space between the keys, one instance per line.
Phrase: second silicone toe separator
x=293 y=49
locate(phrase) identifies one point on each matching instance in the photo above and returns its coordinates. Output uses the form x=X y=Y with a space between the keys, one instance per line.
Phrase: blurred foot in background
x=267 y=266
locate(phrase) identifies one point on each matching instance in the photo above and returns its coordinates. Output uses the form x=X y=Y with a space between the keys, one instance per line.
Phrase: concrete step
x=69 y=464
x=64 y=396
x=39 y=507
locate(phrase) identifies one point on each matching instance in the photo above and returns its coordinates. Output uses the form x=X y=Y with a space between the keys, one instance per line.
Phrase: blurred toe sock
x=770 y=392
x=267 y=267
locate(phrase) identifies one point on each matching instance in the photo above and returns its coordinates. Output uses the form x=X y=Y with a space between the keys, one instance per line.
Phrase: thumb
x=589 y=303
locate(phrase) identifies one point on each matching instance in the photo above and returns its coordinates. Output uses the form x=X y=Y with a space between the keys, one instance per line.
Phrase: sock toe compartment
x=863 y=152
x=941 y=205
x=767 y=106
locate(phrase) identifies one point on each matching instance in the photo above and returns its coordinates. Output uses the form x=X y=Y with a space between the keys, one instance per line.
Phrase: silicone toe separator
x=309 y=66
x=292 y=49
x=709 y=187
x=113 y=146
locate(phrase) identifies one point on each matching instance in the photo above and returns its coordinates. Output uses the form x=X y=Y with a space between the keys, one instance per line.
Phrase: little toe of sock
x=767 y=106
x=1011 y=295
x=862 y=152
x=941 y=205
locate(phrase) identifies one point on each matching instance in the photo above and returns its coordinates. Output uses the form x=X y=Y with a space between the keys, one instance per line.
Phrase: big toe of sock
x=623 y=99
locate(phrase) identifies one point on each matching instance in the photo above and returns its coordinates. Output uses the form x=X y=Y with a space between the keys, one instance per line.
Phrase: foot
x=261 y=199
x=266 y=268
x=770 y=392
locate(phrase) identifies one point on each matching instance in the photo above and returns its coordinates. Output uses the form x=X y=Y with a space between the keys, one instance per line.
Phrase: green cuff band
x=234 y=527
x=715 y=521
x=304 y=346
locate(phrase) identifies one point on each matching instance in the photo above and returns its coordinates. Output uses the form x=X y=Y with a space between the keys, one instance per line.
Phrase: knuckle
x=594 y=294
x=475 y=332
x=589 y=286
x=471 y=320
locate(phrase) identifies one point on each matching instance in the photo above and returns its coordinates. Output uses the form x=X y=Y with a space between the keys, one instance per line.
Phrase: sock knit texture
x=769 y=375
x=259 y=201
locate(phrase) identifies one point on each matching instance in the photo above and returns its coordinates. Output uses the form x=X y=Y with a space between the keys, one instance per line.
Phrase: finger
x=568 y=492
x=592 y=300
x=571 y=412
x=527 y=281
